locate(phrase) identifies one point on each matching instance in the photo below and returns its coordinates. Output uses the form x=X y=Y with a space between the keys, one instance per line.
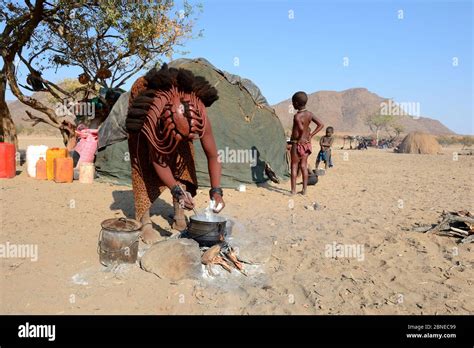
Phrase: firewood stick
x=460 y=231
x=442 y=226
x=450 y=234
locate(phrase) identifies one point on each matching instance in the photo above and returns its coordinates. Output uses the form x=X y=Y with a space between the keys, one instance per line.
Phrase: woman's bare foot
x=179 y=224
x=148 y=234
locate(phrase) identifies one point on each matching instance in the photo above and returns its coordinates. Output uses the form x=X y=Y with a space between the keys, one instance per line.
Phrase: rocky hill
x=346 y=111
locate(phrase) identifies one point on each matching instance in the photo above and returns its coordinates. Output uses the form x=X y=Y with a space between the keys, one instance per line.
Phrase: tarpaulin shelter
x=247 y=131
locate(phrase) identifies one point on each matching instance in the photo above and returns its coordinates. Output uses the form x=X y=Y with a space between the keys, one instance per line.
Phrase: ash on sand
x=253 y=249
x=100 y=274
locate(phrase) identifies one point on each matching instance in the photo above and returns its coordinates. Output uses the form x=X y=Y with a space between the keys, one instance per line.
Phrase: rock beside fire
x=173 y=259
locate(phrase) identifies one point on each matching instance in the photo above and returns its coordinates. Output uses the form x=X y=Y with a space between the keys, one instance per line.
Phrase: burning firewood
x=224 y=255
x=212 y=257
x=230 y=254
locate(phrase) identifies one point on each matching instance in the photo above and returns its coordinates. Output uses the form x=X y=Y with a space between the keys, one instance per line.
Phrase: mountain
x=19 y=116
x=346 y=111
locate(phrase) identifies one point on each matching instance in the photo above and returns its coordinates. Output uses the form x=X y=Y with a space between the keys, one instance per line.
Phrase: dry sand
x=371 y=199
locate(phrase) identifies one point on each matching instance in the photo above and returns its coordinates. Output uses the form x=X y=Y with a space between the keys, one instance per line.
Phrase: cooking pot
x=207 y=230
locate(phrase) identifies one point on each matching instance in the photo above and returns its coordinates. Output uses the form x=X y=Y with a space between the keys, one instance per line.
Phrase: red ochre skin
x=173 y=119
x=301 y=135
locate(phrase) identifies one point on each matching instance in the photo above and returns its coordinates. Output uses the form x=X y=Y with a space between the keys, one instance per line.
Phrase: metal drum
x=118 y=241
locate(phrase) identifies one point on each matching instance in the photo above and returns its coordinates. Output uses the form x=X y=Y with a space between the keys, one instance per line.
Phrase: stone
x=314 y=206
x=173 y=259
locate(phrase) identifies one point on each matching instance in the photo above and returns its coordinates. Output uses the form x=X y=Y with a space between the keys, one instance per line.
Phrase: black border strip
x=242 y=330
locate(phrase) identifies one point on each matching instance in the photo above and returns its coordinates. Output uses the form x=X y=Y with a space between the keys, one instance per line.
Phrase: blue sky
x=409 y=59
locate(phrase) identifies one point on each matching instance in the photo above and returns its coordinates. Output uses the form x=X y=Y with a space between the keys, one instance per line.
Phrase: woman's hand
x=183 y=197
x=186 y=201
x=218 y=202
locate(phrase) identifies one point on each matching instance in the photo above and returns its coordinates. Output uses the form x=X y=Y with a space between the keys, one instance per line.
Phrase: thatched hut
x=421 y=143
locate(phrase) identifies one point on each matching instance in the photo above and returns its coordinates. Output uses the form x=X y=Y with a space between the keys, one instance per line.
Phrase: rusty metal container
x=118 y=241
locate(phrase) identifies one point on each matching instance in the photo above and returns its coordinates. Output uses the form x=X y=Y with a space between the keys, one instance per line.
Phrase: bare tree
x=110 y=41
x=467 y=141
x=377 y=122
x=20 y=24
x=394 y=130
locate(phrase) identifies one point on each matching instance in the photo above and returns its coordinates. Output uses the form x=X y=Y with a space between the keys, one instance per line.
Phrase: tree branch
x=131 y=74
x=31 y=102
x=36 y=119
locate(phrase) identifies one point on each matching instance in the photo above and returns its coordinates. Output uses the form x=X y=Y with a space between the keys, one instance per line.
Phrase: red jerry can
x=7 y=160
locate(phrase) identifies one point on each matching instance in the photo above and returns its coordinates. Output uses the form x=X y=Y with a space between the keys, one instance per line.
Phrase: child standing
x=325 y=153
x=301 y=139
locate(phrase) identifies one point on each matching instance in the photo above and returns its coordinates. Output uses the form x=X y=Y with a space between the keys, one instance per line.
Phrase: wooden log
x=450 y=234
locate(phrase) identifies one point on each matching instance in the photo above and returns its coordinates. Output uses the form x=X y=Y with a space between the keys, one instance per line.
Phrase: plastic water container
x=33 y=153
x=86 y=173
x=63 y=169
x=7 y=160
x=87 y=145
x=41 y=169
x=51 y=154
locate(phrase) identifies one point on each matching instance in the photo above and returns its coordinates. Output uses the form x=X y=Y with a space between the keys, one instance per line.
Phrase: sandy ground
x=370 y=199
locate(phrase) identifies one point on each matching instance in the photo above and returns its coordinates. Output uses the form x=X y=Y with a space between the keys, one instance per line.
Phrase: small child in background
x=325 y=153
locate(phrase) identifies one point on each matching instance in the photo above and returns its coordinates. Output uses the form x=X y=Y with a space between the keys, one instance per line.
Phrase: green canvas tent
x=247 y=131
